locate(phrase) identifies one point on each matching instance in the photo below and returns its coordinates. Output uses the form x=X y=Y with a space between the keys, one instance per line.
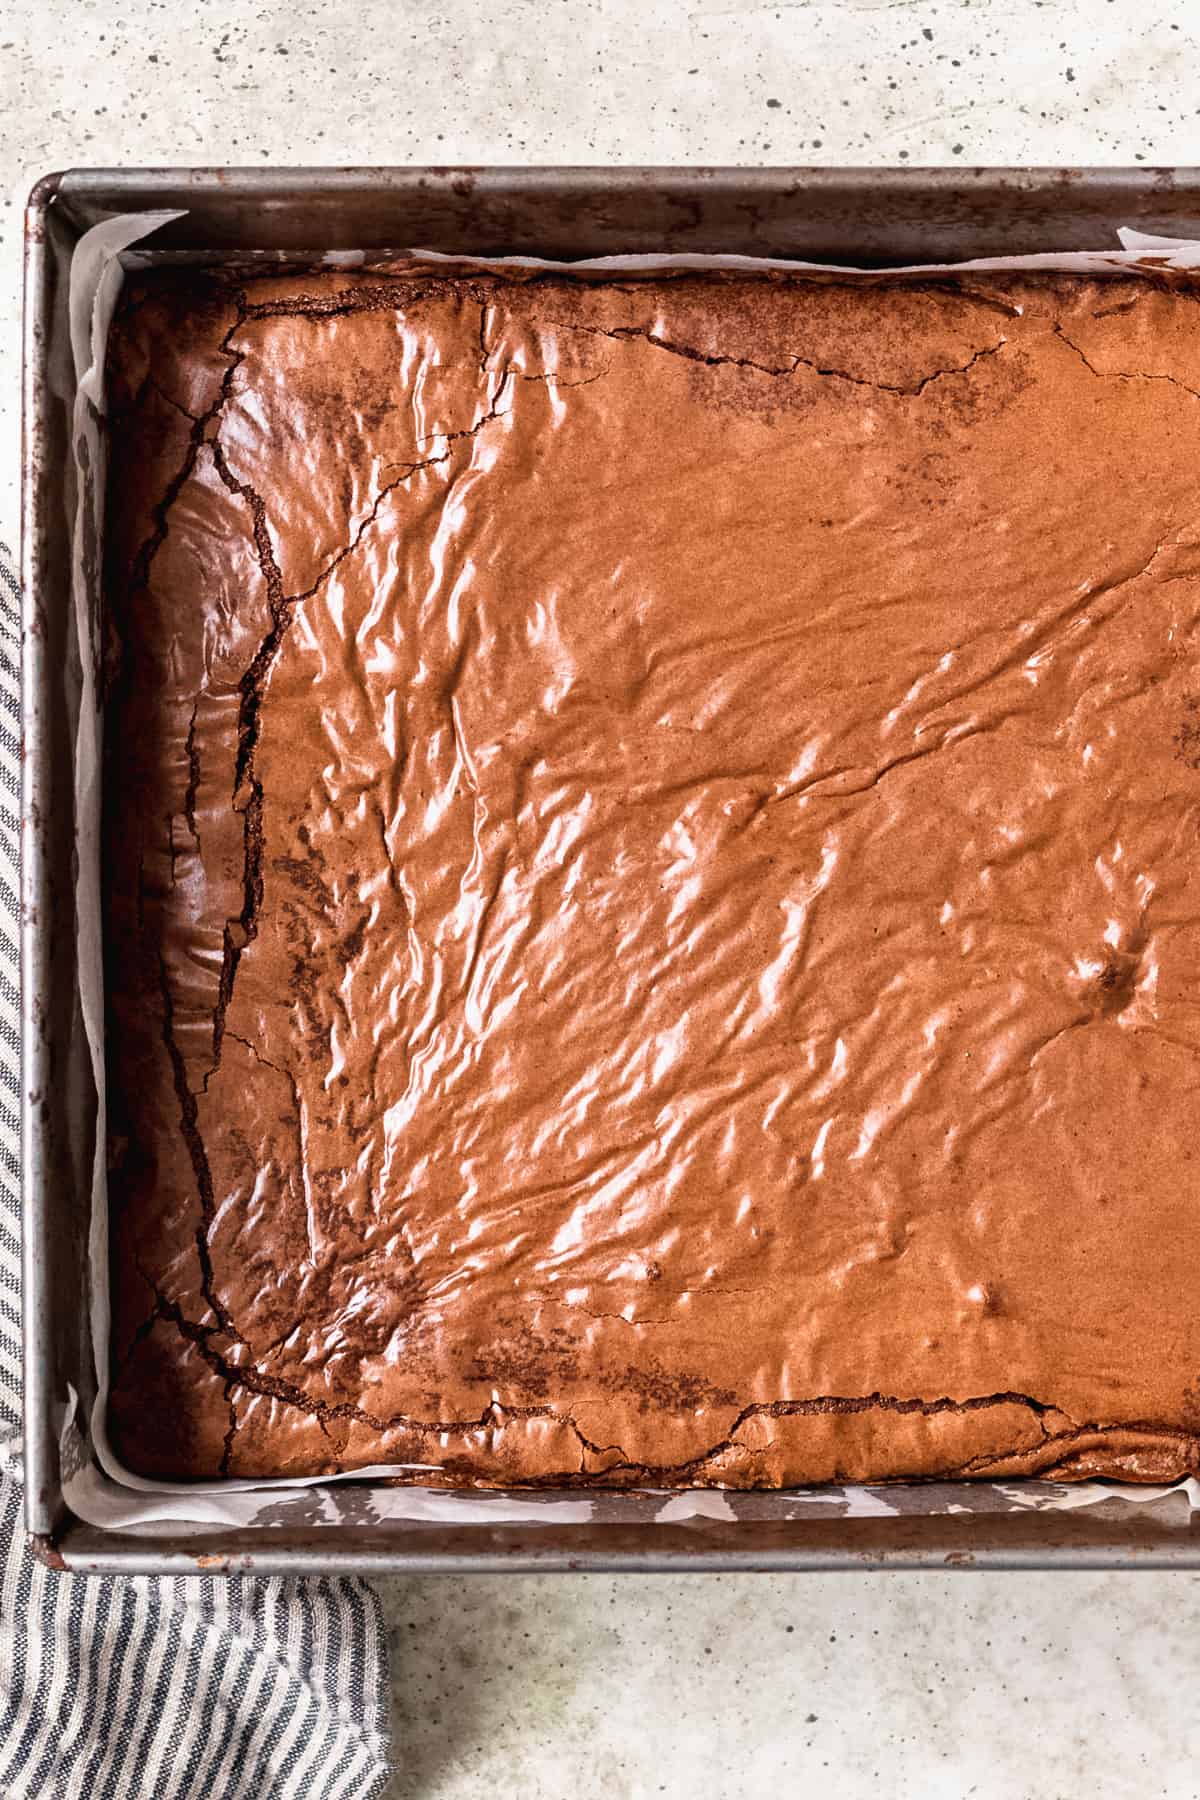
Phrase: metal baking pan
x=862 y=216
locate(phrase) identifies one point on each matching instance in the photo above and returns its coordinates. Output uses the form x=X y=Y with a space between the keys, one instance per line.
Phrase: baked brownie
x=652 y=925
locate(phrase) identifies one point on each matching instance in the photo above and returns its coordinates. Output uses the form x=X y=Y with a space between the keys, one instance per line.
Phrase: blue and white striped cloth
x=238 y=1689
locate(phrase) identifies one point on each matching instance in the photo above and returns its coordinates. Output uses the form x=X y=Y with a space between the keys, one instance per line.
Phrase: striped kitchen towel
x=242 y=1689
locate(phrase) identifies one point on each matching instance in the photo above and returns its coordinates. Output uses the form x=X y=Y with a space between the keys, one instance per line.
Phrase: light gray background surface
x=909 y=1687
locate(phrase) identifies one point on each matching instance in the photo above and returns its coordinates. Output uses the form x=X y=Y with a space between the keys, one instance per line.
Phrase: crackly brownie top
x=651 y=925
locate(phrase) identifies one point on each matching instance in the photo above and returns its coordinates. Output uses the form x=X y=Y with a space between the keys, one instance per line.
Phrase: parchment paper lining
x=97 y=1488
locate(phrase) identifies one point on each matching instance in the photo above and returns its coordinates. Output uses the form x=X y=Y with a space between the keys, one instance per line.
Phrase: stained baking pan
x=866 y=217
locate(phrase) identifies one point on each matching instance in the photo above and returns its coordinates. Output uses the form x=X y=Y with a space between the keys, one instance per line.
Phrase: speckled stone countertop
x=918 y=1687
